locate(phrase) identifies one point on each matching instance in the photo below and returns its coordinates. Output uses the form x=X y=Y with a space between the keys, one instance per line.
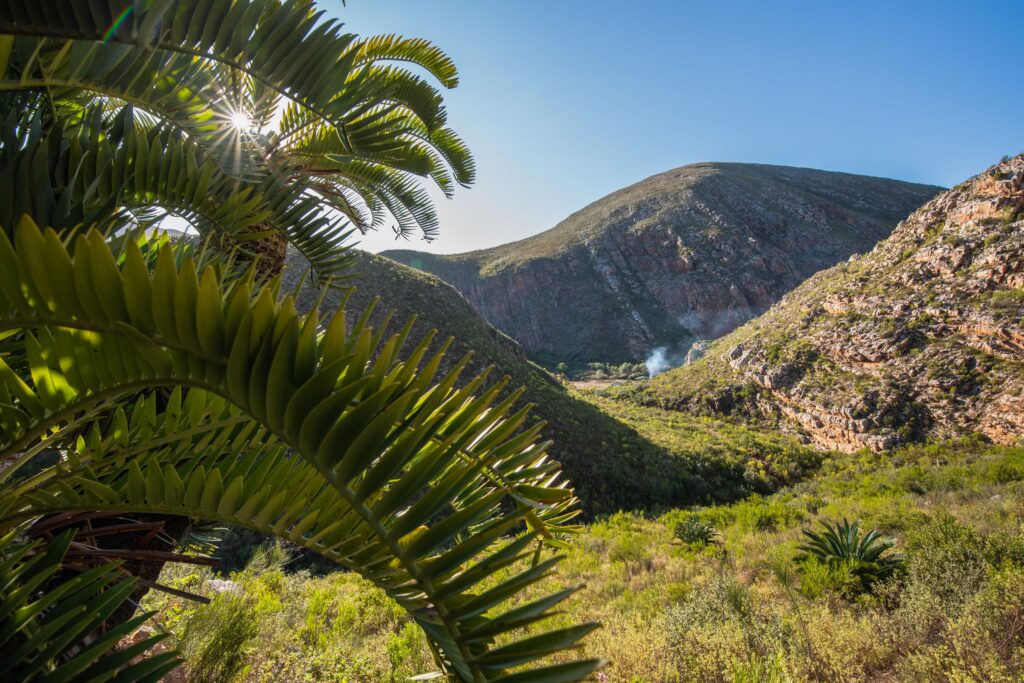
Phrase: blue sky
x=563 y=101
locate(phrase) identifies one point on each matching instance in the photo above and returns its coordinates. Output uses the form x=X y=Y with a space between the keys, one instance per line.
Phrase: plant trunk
x=270 y=252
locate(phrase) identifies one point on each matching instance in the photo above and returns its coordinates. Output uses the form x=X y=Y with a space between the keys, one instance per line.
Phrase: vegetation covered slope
x=688 y=254
x=922 y=337
x=616 y=461
x=743 y=608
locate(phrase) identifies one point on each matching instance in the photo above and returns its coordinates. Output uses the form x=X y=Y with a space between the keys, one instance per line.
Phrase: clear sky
x=564 y=101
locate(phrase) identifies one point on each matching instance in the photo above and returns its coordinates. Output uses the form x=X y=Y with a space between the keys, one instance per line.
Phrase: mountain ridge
x=686 y=254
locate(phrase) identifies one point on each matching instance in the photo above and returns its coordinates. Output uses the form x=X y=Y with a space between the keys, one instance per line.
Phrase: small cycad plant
x=840 y=544
x=694 y=531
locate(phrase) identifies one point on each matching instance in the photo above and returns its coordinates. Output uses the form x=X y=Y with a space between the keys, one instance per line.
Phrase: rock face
x=923 y=337
x=688 y=254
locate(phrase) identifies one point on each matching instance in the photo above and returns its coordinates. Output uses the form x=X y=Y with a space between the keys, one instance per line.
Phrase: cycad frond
x=328 y=438
x=42 y=631
x=841 y=543
x=101 y=165
x=420 y=52
x=280 y=44
x=194 y=65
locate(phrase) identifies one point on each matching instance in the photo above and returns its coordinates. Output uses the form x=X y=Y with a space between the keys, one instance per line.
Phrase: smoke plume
x=661 y=360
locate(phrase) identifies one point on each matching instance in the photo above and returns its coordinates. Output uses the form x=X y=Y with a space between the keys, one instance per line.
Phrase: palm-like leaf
x=99 y=168
x=178 y=388
x=357 y=129
x=327 y=438
x=694 y=531
x=41 y=632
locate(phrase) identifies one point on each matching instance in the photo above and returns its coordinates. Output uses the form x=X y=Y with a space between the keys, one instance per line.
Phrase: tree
x=176 y=380
x=210 y=78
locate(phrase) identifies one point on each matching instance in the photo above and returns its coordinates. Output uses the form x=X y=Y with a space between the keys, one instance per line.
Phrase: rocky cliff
x=688 y=254
x=923 y=337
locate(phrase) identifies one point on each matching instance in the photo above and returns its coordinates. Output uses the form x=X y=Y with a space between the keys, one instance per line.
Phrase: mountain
x=922 y=338
x=684 y=255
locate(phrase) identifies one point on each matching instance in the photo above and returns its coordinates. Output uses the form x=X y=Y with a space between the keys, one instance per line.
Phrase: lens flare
x=118 y=21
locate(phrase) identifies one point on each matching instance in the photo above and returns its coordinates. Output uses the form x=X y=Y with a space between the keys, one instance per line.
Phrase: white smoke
x=659 y=361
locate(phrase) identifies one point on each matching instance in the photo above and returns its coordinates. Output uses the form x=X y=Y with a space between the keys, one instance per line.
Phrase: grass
x=734 y=455
x=741 y=609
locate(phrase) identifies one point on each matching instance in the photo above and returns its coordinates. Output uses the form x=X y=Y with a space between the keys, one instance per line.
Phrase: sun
x=241 y=120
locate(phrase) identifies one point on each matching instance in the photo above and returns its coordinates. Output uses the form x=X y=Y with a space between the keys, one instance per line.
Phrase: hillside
x=923 y=337
x=611 y=465
x=684 y=255
x=745 y=607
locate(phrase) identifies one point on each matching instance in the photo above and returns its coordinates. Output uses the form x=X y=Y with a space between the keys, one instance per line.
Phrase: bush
x=819 y=579
x=722 y=632
x=947 y=559
x=983 y=641
x=216 y=638
x=756 y=513
x=760 y=670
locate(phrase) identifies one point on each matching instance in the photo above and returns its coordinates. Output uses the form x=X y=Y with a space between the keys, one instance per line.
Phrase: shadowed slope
x=611 y=465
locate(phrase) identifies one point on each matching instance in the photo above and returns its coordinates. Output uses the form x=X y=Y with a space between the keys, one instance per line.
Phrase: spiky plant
x=146 y=386
x=694 y=531
x=840 y=543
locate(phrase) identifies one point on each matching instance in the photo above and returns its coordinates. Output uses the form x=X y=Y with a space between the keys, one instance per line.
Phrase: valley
x=616 y=462
x=883 y=390
x=697 y=486
x=733 y=422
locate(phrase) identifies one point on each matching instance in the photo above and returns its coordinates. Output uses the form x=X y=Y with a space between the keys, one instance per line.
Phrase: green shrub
x=760 y=670
x=947 y=559
x=818 y=579
x=628 y=548
x=1005 y=471
x=216 y=639
x=982 y=641
x=756 y=513
x=722 y=632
